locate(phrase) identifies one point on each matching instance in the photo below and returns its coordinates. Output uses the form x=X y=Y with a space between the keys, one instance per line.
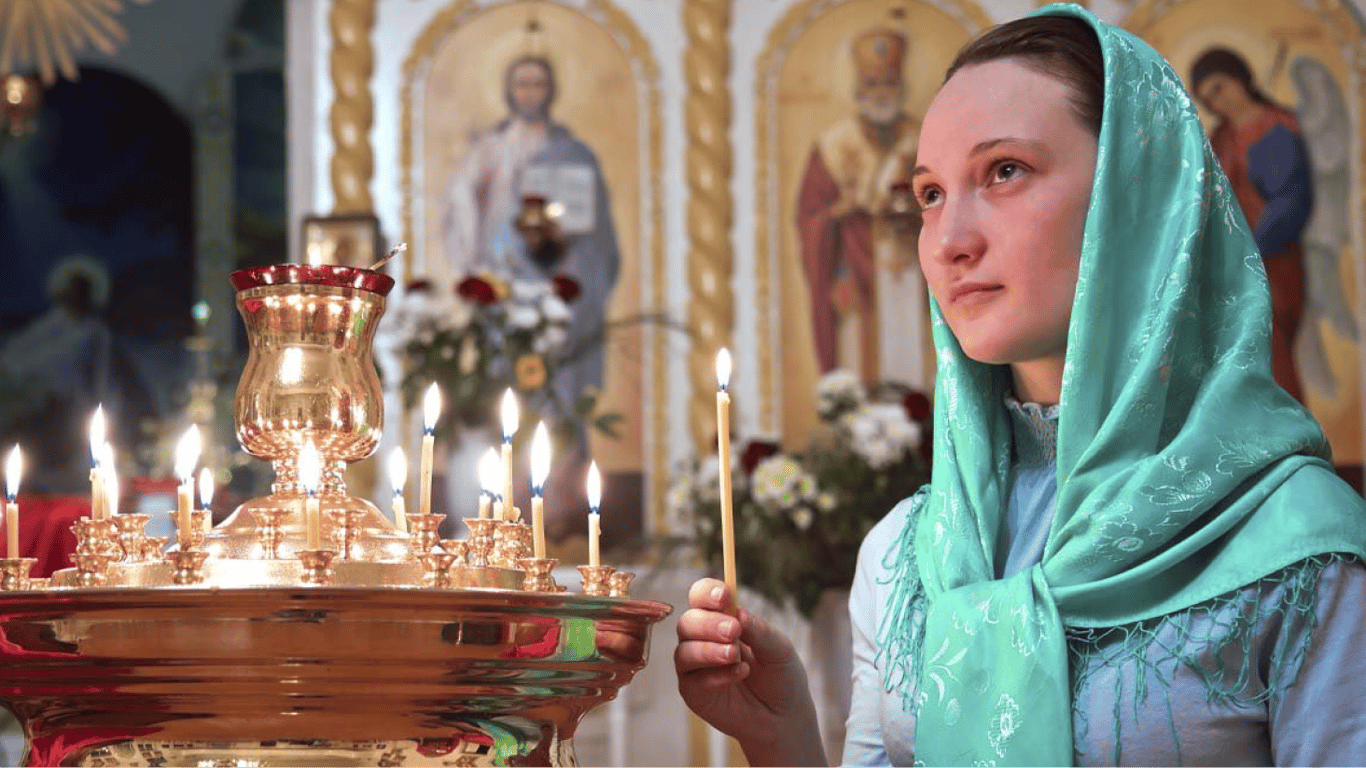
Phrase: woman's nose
x=958 y=236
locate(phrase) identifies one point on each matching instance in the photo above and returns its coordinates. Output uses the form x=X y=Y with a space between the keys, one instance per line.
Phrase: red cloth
x=45 y=530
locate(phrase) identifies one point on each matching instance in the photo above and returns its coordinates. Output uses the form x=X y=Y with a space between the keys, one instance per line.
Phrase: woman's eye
x=1006 y=171
x=929 y=197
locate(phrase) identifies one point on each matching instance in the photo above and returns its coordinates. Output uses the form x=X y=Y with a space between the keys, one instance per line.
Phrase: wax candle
x=398 y=477
x=723 y=365
x=186 y=457
x=14 y=466
x=310 y=477
x=540 y=470
x=490 y=472
x=510 y=417
x=594 y=522
x=431 y=411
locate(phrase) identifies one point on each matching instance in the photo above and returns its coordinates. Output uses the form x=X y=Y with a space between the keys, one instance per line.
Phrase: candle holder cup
x=423 y=530
x=539 y=576
x=595 y=579
x=132 y=533
x=619 y=584
x=16 y=573
x=317 y=565
x=188 y=566
x=480 y=544
x=458 y=547
x=436 y=567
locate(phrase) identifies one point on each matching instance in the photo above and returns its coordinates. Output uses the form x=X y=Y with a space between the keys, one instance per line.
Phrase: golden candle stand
x=247 y=647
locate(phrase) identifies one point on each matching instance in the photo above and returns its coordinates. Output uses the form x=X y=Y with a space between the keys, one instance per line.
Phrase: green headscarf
x=1184 y=472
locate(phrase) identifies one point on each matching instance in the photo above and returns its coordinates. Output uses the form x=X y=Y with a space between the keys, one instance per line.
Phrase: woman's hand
x=743 y=677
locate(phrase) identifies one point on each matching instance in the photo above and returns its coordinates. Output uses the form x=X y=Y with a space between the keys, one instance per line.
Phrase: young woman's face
x=1004 y=176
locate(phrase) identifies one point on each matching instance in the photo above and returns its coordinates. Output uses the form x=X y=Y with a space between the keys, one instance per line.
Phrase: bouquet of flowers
x=486 y=336
x=800 y=517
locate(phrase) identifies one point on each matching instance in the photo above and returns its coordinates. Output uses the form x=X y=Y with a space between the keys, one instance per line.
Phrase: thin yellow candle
x=97 y=441
x=206 y=489
x=723 y=365
x=398 y=477
x=594 y=522
x=510 y=417
x=186 y=457
x=540 y=470
x=310 y=476
x=14 y=466
x=490 y=472
x=431 y=411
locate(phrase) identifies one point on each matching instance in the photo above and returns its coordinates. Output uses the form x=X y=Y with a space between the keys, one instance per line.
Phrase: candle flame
x=206 y=488
x=187 y=454
x=431 y=408
x=594 y=487
x=540 y=459
x=398 y=470
x=509 y=415
x=14 y=466
x=490 y=472
x=97 y=433
x=723 y=366
x=310 y=468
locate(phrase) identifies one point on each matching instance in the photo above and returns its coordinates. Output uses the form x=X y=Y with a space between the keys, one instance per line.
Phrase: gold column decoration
x=711 y=306
x=351 y=63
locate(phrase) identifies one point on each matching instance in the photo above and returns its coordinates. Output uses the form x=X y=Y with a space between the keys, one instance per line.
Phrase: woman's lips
x=968 y=293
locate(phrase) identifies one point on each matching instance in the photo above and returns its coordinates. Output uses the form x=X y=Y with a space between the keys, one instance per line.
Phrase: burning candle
x=398 y=477
x=186 y=457
x=431 y=411
x=594 y=521
x=206 y=489
x=14 y=465
x=510 y=417
x=310 y=476
x=540 y=470
x=490 y=472
x=97 y=439
x=723 y=365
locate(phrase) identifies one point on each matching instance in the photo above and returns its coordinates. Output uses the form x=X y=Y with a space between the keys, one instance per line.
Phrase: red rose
x=755 y=452
x=566 y=287
x=420 y=286
x=917 y=406
x=477 y=289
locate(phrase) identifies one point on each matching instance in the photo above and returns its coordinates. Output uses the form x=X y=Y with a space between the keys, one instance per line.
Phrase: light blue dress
x=1142 y=698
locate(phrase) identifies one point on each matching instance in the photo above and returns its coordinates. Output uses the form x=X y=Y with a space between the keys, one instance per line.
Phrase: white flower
x=551 y=339
x=825 y=501
x=523 y=317
x=837 y=392
x=527 y=291
x=803 y=517
x=555 y=310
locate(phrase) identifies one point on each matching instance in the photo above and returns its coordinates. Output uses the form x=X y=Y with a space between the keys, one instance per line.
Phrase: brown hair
x=1227 y=62
x=1059 y=46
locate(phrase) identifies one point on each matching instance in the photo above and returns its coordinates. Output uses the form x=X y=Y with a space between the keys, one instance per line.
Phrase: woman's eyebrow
x=987 y=144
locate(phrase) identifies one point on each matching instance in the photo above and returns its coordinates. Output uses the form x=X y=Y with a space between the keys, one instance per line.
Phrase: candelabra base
x=200 y=676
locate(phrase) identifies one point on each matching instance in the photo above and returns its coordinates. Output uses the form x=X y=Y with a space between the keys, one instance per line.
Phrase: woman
x=1133 y=548
x=1260 y=147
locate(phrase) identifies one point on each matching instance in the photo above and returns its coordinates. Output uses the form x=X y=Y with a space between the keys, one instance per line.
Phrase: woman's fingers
x=711 y=595
x=718 y=678
x=693 y=655
x=700 y=624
